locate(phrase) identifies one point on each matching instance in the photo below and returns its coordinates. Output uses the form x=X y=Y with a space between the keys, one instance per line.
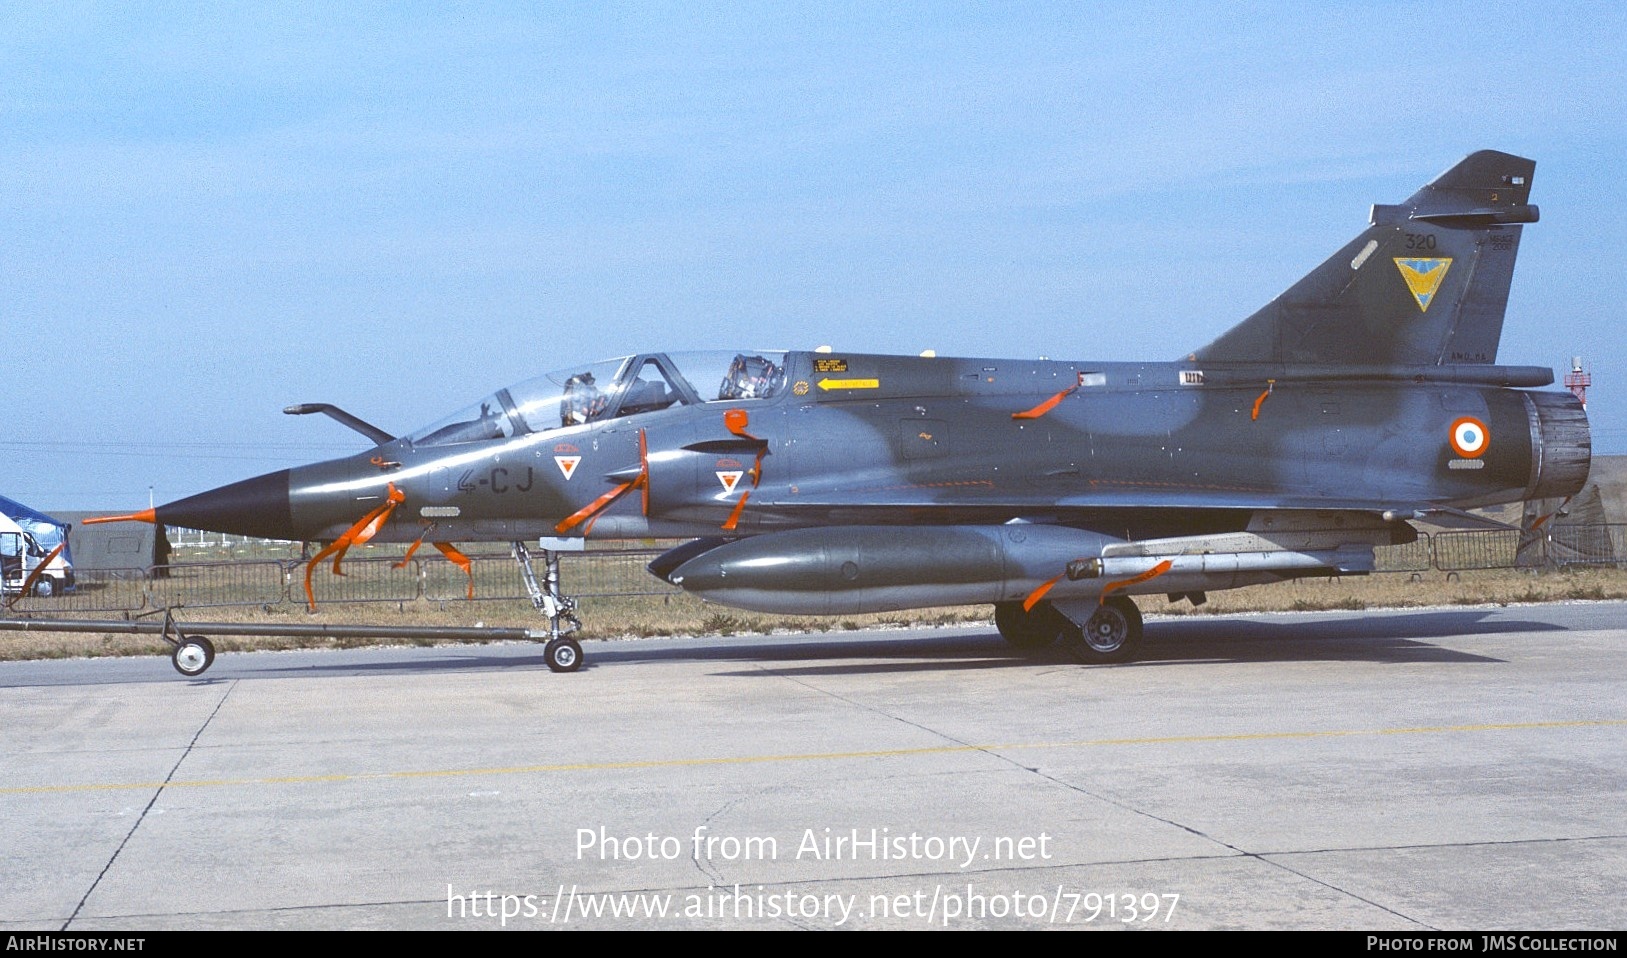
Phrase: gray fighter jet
x=1364 y=398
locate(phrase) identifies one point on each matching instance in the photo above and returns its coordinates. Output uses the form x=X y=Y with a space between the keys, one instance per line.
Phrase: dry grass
x=643 y=616
x=1404 y=590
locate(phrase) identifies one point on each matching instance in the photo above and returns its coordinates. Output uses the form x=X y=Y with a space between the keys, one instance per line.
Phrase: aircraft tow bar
x=193 y=653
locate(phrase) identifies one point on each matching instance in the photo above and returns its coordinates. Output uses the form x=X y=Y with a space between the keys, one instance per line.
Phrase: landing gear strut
x=562 y=654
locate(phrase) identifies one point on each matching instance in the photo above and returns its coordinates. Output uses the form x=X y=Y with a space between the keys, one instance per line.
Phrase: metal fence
x=272 y=582
x=598 y=574
x=1587 y=545
x=1412 y=557
x=1475 y=549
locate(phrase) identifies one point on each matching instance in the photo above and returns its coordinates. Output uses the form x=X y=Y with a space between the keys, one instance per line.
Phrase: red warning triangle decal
x=729 y=480
x=567 y=465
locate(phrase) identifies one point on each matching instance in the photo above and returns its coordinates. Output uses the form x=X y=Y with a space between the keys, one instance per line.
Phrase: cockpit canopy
x=609 y=390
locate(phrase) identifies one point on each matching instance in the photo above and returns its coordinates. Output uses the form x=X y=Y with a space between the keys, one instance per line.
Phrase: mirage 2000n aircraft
x=1366 y=396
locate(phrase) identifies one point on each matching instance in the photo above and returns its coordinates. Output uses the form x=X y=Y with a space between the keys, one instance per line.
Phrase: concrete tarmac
x=1404 y=771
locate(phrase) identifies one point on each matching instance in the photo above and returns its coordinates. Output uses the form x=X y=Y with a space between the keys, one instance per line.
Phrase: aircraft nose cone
x=254 y=507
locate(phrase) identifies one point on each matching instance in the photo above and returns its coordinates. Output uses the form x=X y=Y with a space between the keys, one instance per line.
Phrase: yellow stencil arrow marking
x=829 y=384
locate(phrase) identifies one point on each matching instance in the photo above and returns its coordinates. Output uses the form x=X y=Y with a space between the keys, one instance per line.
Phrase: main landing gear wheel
x=1111 y=635
x=563 y=655
x=193 y=656
x=1029 y=629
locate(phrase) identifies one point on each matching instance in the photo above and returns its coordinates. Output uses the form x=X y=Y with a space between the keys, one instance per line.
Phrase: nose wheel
x=563 y=655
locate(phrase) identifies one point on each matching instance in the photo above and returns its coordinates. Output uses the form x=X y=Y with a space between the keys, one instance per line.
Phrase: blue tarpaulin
x=48 y=532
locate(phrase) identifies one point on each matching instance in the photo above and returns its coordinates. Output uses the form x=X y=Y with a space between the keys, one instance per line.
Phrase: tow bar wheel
x=193 y=656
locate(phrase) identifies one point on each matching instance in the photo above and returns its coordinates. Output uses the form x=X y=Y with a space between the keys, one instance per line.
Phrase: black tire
x=1112 y=635
x=563 y=655
x=193 y=656
x=1029 y=629
x=45 y=587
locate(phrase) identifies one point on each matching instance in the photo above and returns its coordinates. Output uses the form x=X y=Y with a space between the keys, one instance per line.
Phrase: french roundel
x=1470 y=438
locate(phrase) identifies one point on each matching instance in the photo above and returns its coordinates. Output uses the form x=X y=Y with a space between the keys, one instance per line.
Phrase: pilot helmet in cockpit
x=749 y=377
x=583 y=402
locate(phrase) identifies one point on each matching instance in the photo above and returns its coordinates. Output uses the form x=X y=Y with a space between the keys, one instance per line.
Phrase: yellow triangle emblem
x=1423 y=277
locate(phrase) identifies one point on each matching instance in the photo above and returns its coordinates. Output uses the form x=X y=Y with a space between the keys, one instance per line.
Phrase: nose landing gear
x=563 y=654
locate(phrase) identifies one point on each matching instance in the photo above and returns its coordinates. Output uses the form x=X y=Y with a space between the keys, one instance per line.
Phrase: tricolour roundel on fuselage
x=1470 y=437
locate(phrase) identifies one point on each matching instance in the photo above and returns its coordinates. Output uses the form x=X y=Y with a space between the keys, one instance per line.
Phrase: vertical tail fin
x=1425 y=284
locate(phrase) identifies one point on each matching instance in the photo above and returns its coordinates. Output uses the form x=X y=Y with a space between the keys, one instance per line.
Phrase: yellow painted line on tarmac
x=813 y=756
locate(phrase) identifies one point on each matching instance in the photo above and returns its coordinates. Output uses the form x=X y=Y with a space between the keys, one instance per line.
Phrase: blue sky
x=210 y=212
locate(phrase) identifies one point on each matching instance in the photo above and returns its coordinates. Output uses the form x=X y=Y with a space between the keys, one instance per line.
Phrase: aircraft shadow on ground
x=1404 y=638
x=1392 y=639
